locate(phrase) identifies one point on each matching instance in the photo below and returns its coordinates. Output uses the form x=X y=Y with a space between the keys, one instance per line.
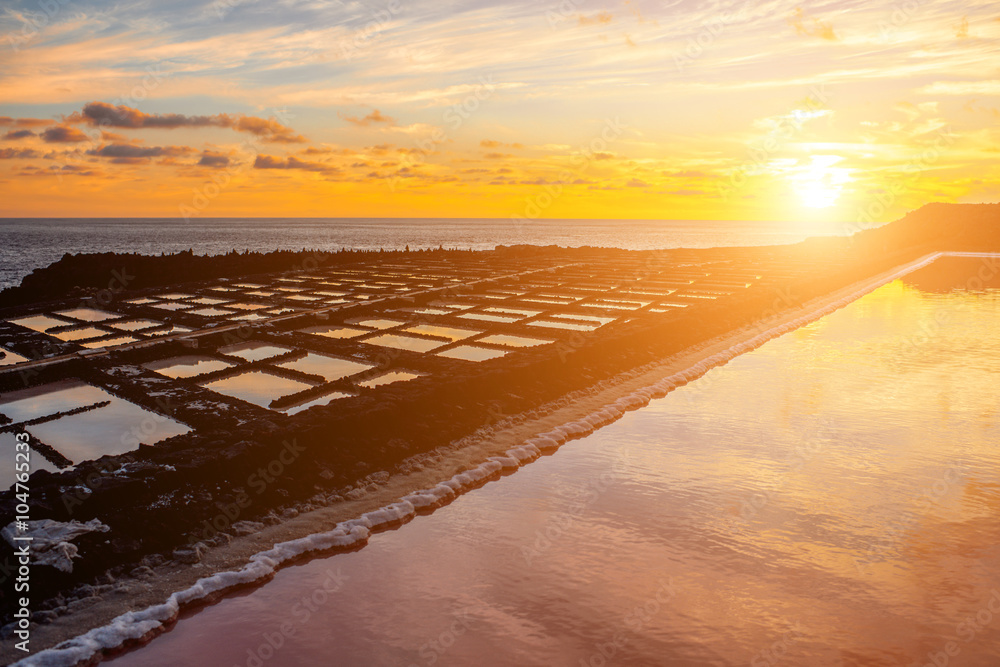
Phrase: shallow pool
x=187 y=366
x=330 y=368
x=257 y=387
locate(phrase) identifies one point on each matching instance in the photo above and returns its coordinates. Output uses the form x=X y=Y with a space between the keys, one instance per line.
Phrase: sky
x=849 y=111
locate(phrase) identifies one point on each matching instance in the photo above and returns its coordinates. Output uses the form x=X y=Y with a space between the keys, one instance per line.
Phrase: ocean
x=27 y=244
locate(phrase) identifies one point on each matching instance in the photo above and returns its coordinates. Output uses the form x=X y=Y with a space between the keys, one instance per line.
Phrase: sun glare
x=819 y=184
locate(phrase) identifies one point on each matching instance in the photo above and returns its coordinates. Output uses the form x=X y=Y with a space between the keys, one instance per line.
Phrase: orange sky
x=825 y=111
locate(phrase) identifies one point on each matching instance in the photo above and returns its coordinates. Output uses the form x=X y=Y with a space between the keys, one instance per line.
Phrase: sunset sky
x=769 y=110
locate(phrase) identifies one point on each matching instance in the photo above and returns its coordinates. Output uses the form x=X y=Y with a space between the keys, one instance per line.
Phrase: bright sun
x=820 y=183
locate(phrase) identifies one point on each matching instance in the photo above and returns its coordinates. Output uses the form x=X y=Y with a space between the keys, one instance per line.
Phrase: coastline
x=654 y=379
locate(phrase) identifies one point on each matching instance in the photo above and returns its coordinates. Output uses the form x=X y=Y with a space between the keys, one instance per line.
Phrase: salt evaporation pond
x=118 y=426
x=831 y=498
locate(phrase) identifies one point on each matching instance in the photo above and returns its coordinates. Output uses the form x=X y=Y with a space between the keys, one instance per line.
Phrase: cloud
x=215 y=160
x=102 y=114
x=60 y=134
x=113 y=137
x=687 y=173
x=25 y=122
x=131 y=154
x=636 y=183
x=14 y=135
x=490 y=143
x=269 y=129
x=990 y=87
x=497 y=156
x=962 y=29
x=325 y=150
x=374 y=117
x=812 y=27
x=75 y=170
x=274 y=162
x=17 y=153
x=108 y=115
x=600 y=17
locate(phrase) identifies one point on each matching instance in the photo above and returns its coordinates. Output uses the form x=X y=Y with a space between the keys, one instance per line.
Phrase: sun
x=819 y=184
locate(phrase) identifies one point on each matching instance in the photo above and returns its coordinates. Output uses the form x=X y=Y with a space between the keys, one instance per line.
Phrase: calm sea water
x=831 y=498
x=32 y=243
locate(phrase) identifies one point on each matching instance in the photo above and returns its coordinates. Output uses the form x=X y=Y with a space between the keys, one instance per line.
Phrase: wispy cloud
x=373 y=118
x=102 y=114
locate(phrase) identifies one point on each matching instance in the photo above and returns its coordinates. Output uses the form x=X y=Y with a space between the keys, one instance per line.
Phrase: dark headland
x=173 y=503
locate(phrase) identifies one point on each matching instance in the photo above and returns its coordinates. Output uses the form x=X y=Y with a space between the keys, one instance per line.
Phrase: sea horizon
x=33 y=243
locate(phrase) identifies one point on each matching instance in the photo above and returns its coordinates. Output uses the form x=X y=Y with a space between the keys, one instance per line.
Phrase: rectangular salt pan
x=186 y=367
x=114 y=429
x=572 y=326
x=388 y=378
x=40 y=323
x=8 y=358
x=513 y=341
x=80 y=334
x=88 y=314
x=377 y=323
x=334 y=331
x=470 y=353
x=330 y=368
x=402 y=342
x=210 y=312
x=109 y=342
x=257 y=387
x=325 y=399
x=513 y=311
x=254 y=351
x=26 y=404
x=450 y=333
x=172 y=306
x=486 y=317
x=135 y=325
